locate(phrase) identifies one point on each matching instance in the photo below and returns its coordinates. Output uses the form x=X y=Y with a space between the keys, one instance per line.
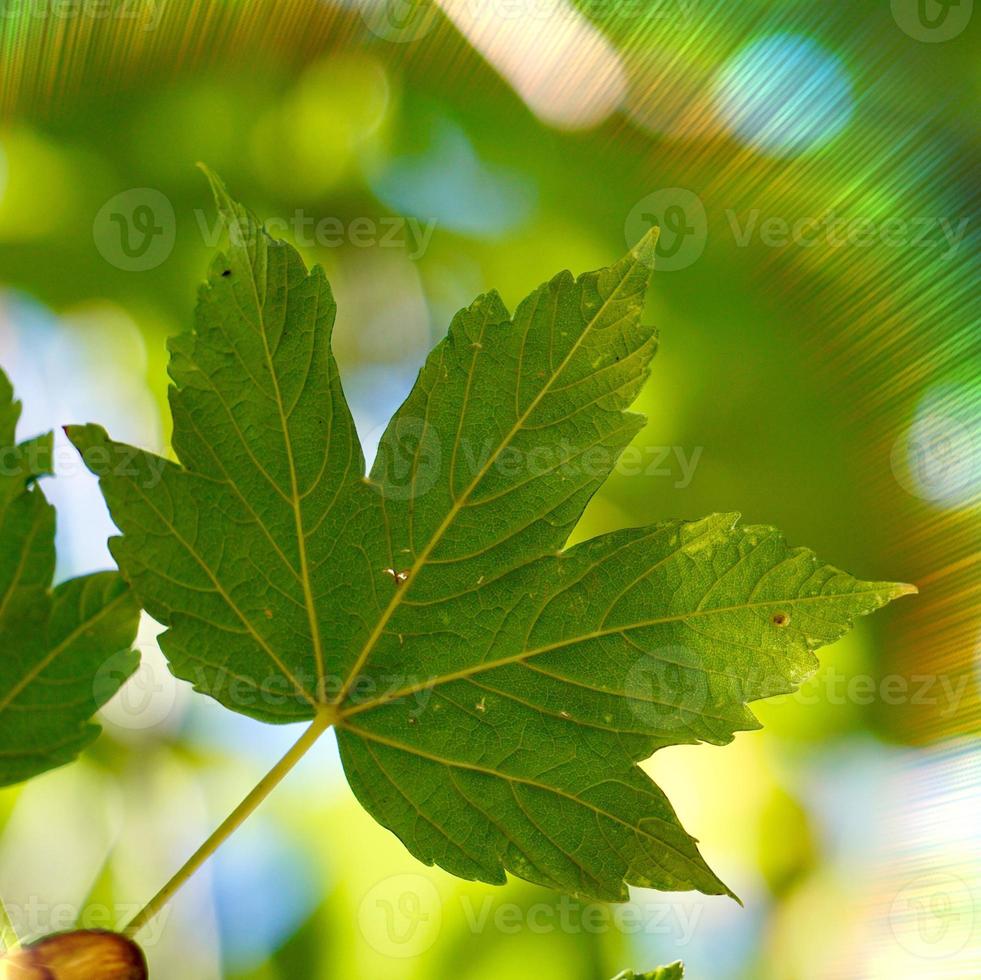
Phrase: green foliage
x=492 y=691
x=64 y=652
x=674 y=971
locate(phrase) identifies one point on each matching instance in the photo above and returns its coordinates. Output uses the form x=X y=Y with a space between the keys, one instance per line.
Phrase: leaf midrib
x=53 y=654
x=534 y=784
x=459 y=502
x=583 y=638
x=25 y=555
x=295 y=500
x=225 y=595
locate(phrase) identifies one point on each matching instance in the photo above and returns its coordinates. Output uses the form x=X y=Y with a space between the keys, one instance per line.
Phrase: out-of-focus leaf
x=64 y=652
x=674 y=971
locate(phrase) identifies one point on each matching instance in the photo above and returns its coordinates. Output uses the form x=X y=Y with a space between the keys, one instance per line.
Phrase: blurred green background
x=814 y=169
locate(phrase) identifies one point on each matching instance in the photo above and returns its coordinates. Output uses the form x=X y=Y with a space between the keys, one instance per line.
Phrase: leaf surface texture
x=492 y=689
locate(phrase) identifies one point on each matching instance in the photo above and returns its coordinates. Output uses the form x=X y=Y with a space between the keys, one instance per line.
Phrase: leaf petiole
x=235 y=819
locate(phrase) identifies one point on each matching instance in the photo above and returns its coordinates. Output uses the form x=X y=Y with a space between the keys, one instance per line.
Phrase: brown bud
x=89 y=955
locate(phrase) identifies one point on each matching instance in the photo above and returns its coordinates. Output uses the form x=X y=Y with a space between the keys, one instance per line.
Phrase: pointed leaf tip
x=645 y=249
x=92 y=444
x=243 y=227
x=83 y=436
x=223 y=200
x=213 y=179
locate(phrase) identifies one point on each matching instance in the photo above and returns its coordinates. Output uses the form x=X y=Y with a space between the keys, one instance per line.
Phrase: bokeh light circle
x=938 y=458
x=784 y=95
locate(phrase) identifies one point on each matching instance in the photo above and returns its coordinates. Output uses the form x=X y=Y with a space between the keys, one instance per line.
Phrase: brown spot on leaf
x=85 y=955
x=780 y=619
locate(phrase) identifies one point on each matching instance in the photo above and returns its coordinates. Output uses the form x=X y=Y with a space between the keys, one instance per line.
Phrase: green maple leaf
x=491 y=690
x=64 y=652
